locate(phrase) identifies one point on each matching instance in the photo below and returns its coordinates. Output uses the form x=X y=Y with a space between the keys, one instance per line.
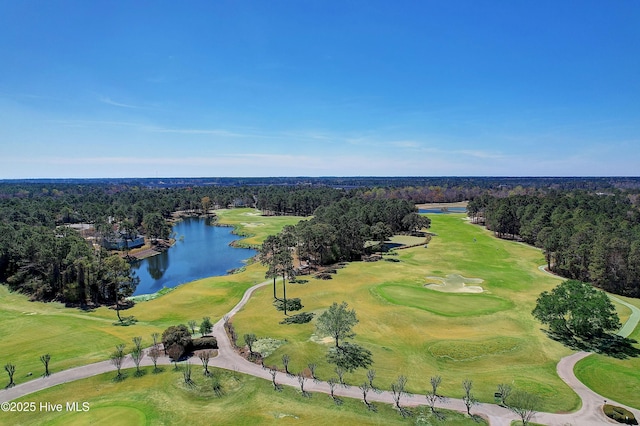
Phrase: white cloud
x=109 y=101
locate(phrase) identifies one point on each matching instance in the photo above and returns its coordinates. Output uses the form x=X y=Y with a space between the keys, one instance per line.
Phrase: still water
x=201 y=250
x=448 y=210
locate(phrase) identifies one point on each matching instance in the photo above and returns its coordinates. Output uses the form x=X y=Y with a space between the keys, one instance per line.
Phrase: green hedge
x=207 y=342
x=301 y=318
x=619 y=414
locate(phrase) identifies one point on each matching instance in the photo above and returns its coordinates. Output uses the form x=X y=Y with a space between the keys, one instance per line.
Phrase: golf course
x=411 y=328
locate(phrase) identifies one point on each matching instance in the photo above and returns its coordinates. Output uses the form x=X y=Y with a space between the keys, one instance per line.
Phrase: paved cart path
x=590 y=412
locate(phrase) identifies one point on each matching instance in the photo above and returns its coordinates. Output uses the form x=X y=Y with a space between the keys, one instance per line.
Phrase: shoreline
x=148 y=252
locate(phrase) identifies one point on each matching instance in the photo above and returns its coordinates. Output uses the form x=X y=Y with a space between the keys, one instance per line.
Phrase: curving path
x=589 y=414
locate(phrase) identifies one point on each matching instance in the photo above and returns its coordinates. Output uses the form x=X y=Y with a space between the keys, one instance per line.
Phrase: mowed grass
x=164 y=399
x=504 y=346
x=420 y=333
x=74 y=337
x=445 y=304
x=618 y=379
x=252 y=225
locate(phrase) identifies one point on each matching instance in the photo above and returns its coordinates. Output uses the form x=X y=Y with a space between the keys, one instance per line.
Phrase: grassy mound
x=439 y=303
x=463 y=350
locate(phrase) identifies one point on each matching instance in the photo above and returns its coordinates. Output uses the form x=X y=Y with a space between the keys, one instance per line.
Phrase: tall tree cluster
x=339 y=231
x=590 y=237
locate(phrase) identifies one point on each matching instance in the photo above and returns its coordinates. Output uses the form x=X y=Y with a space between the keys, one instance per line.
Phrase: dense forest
x=591 y=237
x=585 y=236
x=339 y=231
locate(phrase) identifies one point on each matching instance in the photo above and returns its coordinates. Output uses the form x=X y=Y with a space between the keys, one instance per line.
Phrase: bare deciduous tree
x=154 y=353
x=137 y=356
x=432 y=395
x=312 y=368
x=365 y=388
x=333 y=382
x=44 y=359
x=250 y=339
x=205 y=356
x=117 y=358
x=285 y=362
x=524 y=404
x=301 y=381
x=504 y=390
x=398 y=389
x=137 y=343
x=11 y=370
x=273 y=371
x=468 y=398
x=192 y=324
x=371 y=374
x=174 y=352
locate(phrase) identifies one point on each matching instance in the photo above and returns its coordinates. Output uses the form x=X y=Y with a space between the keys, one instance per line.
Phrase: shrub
x=323 y=276
x=178 y=339
x=292 y=304
x=207 y=342
x=619 y=414
x=301 y=318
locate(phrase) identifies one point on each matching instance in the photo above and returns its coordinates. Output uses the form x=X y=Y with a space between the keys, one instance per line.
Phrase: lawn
x=165 y=399
x=252 y=225
x=411 y=330
x=74 y=337
x=419 y=332
x=618 y=379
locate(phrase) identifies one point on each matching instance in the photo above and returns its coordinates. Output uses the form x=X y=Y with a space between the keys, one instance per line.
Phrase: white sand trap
x=252 y=225
x=321 y=340
x=454 y=283
x=251 y=214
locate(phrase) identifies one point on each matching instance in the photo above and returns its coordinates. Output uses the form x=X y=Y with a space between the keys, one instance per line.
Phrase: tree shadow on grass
x=606 y=344
x=126 y=321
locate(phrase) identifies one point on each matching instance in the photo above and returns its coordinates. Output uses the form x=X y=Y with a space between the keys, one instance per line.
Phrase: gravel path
x=589 y=414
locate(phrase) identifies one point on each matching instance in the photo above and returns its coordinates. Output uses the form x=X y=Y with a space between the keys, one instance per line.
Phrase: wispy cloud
x=406 y=144
x=216 y=132
x=480 y=154
x=107 y=100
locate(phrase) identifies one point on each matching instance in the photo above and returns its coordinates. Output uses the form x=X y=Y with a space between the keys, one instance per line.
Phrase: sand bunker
x=321 y=340
x=252 y=224
x=454 y=283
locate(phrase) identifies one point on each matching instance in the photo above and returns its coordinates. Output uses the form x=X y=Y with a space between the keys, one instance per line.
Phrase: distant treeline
x=483 y=182
x=39 y=256
x=591 y=237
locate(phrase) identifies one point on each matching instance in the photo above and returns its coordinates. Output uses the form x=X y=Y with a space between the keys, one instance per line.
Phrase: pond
x=448 y=210
x=201 y=250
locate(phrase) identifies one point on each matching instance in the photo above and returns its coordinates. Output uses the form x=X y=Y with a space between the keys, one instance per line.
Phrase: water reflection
x=158 y=265
x=200 y=251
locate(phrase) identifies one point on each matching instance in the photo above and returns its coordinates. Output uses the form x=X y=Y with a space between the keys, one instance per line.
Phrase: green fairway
x=164 y=399
x=488 y=337
x=445 y=304
x=252 y=225
x=419 y=332
x=74 y=337
x=618 y=379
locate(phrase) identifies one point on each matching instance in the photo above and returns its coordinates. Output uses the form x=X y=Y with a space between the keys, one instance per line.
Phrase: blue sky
x=319 y=88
